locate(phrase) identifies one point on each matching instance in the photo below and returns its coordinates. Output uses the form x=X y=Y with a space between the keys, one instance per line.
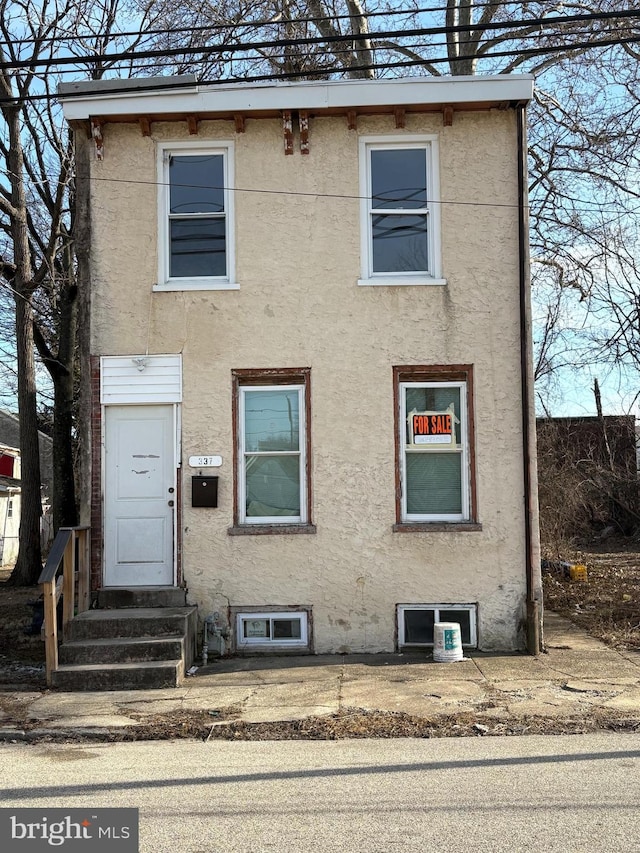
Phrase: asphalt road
x=577 y=793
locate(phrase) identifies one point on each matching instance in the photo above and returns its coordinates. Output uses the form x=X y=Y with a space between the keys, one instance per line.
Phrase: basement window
x=287 y=629
x=416 y=621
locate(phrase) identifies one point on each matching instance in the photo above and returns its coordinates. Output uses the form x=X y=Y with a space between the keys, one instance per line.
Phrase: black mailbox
x=204 y=491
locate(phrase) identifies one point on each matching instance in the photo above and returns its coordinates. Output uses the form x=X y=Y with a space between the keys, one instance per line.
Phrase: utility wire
x=388 y=66
x=348 y=197
x=532 y=204
x=273 y=22
x=34 y=63
x=172 y=83
x=264 y=23
x=337 y=51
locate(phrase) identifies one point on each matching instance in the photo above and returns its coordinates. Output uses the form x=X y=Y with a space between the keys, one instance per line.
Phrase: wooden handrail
x=55 y=555
x=63 y=554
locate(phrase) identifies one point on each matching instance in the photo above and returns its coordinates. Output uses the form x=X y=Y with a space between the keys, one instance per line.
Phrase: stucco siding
x=297 y=226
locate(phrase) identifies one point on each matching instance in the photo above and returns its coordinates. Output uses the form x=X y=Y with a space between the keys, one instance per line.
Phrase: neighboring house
x=310 y=356
x=10 y=488
x=9 y=503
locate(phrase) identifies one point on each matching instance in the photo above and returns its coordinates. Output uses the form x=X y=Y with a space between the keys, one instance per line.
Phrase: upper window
x=272 y=447
x=195 y=217
x=435 y=445
x=400 y=221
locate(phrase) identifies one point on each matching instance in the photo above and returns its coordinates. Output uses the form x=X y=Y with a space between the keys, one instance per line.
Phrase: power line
x=271 y=22
x=339 y=69
x=33 y=63
x=532 y=205
x=343 y=196
x=432 y=61
x=322 y=50
x=415 y=46
x=335 y=70
x=266 y=22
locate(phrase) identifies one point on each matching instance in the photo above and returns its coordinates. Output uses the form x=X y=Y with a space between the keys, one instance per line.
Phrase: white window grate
x=285 y=629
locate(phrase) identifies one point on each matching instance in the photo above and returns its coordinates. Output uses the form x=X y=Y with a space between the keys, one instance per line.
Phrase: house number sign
x=205 y=461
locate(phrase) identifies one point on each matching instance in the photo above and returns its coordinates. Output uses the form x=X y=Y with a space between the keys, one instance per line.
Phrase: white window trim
x=464 y=452
x=434 y=275
x=470 y=608
x=165 y=283
x=302 y=436
x=281 y=642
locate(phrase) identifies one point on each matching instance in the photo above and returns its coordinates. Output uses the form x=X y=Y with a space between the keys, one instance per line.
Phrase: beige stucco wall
x=299 y=305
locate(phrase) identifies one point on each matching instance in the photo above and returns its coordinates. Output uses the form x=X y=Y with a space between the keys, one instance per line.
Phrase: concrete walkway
x=577 y=676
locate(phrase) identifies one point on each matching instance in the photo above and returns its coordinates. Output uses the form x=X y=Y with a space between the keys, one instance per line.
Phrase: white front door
x=140 y=484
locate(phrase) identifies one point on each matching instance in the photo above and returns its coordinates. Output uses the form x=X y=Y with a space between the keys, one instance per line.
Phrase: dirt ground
x=607 y=605
x=21 y=653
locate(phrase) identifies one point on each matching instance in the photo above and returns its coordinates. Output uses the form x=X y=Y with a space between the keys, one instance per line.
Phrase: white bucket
x=447 y=642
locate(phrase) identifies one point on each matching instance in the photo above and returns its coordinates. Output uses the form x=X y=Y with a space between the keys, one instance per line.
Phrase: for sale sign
x=432 y=428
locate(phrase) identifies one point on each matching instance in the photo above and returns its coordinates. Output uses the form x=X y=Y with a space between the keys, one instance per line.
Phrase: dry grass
x=21 y=653
x=608 y=604
x=347 y=724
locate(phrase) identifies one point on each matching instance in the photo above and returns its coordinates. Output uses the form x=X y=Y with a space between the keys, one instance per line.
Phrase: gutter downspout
x=532 y=535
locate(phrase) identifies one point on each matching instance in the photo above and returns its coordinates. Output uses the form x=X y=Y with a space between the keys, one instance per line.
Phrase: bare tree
x=24 y=277
x=584 y=124
x=37 y=219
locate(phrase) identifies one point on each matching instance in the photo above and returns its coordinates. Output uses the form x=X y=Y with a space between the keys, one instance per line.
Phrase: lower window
x=416 y=621
x=434 y=444
x=271 y=413
x=285 y=629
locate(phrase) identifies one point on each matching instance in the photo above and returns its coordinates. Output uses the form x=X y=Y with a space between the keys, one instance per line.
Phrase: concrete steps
x=140 y=675
x=121 y=650
x=141 y=596
x=140 y=638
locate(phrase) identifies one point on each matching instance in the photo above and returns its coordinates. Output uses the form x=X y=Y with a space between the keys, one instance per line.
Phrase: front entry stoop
x=138 y=639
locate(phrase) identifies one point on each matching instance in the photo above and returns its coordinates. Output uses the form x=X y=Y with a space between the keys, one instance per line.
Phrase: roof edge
x=183 y=94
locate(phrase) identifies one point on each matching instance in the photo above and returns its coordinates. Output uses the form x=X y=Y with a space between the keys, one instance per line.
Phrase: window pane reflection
x=400 y=243
x=197 y=248
x=399 y=178
x=196 y=183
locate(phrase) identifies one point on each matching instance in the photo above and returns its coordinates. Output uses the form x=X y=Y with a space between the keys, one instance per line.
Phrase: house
x=10 y=486
x=9 y=503
x=311 y=402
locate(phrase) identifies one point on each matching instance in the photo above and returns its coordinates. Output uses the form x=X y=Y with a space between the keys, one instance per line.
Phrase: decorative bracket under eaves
x=96 y=135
